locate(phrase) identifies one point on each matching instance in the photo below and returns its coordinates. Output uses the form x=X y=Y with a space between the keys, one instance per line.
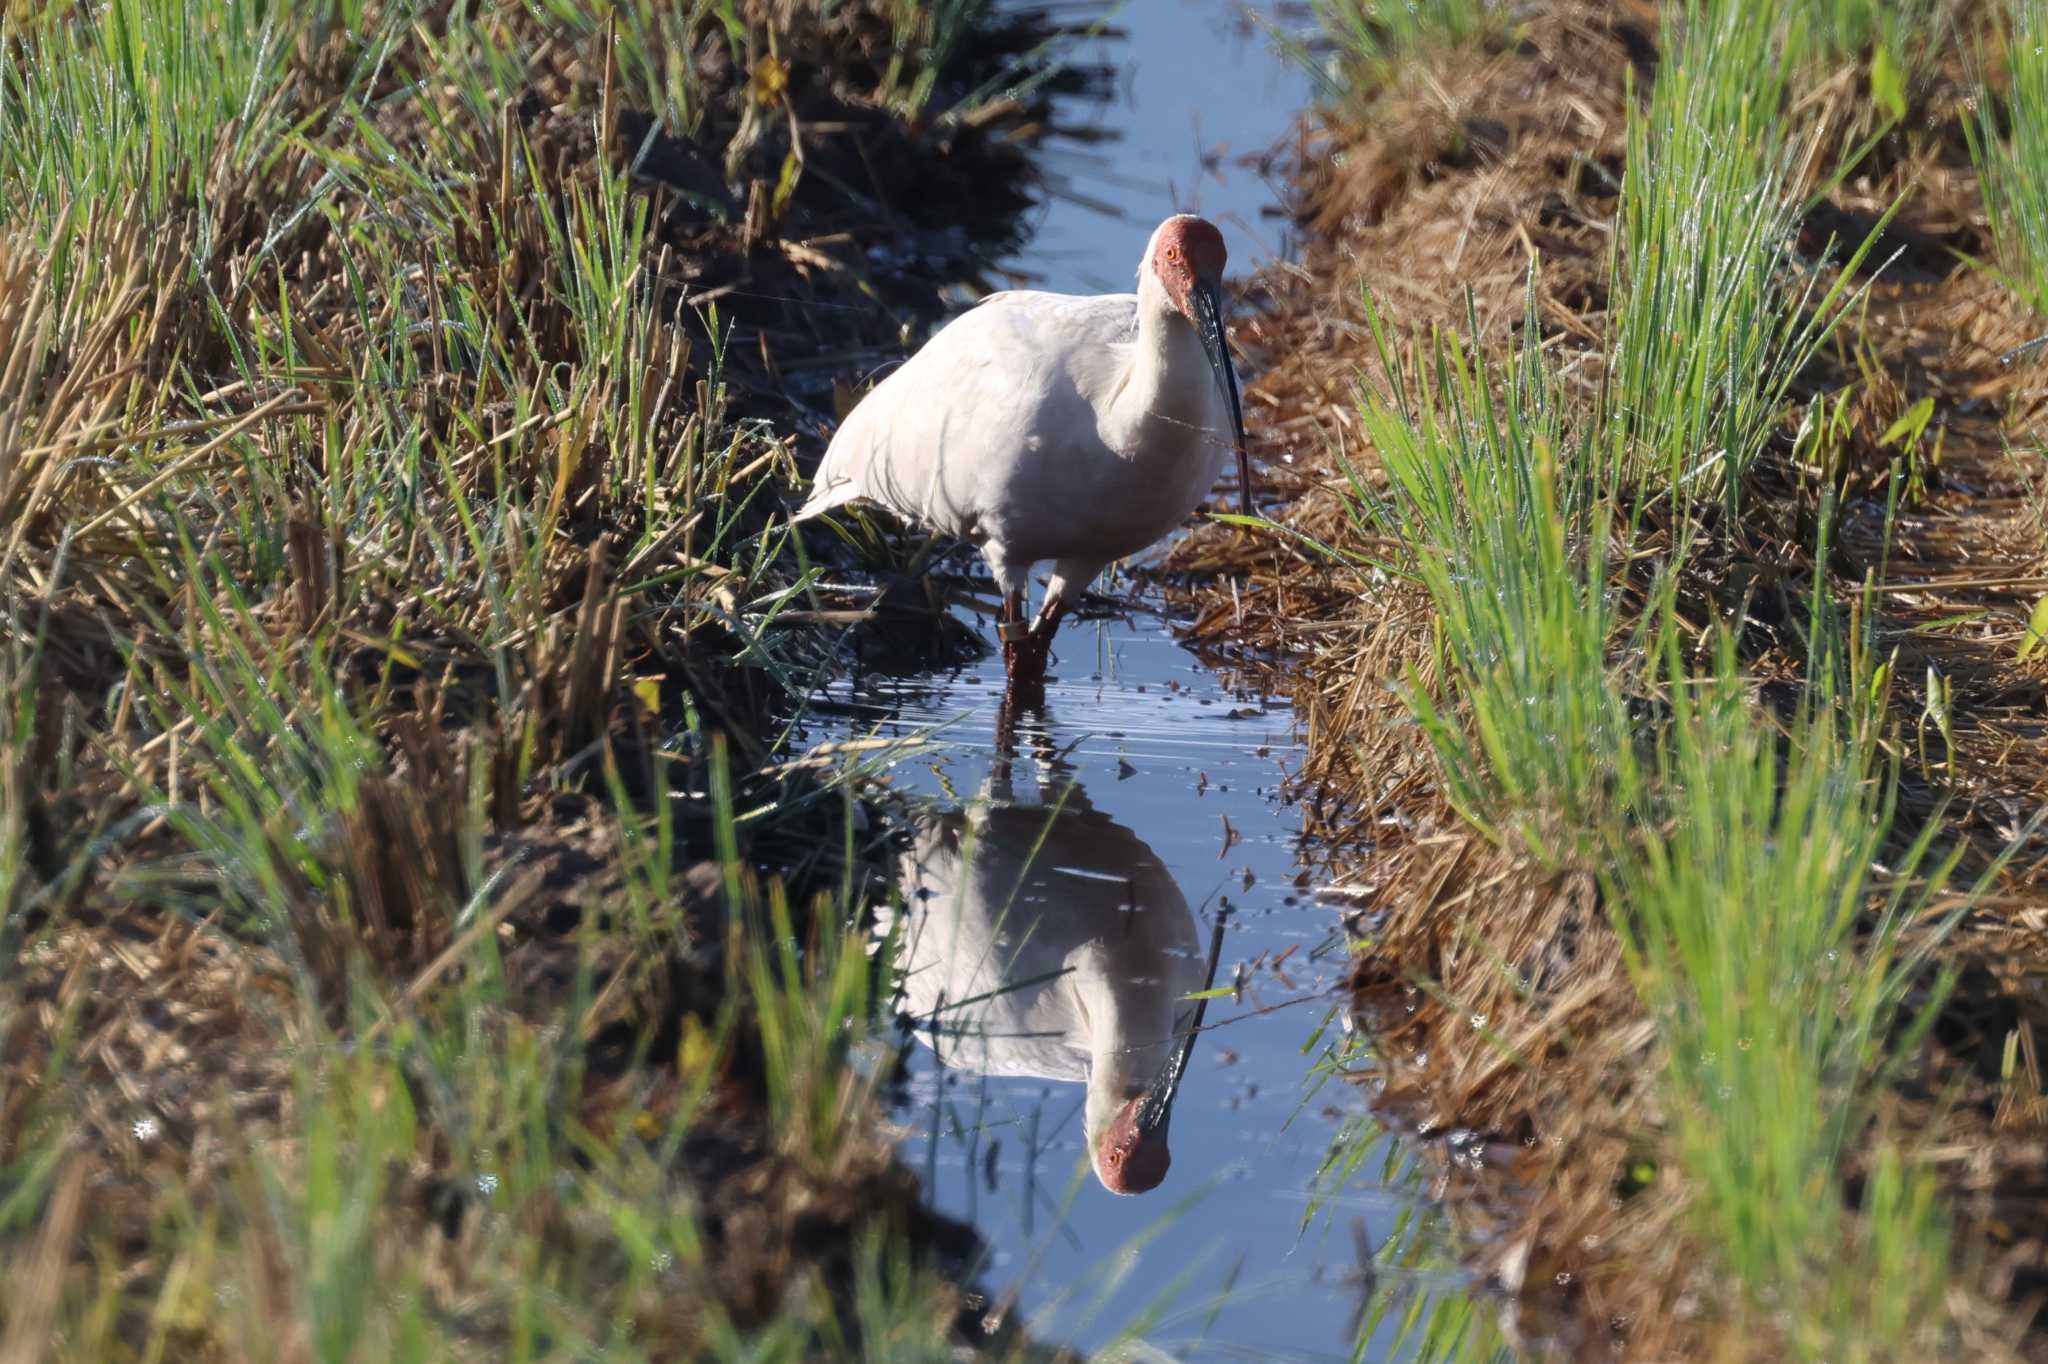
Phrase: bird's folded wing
x=936 y=441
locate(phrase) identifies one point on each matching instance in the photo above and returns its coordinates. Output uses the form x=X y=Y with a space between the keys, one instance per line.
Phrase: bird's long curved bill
x=1209 y=307
x=1157 y=1109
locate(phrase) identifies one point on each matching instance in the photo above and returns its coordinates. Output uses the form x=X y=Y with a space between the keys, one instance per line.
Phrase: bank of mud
x=1504 y=1017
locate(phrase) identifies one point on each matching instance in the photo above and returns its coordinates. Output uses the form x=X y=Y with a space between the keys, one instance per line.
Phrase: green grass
x=1847 y=29
x=2009 y=144
x=1901 y=40
x=372 y=496
x=1775 y=917
x=1366 y=33
x=1737 y=855
x=1496 y=495
x=1740 y=892
x=1362 y=43
x=1709 y=329
x=578 y=1236
x=150 y=98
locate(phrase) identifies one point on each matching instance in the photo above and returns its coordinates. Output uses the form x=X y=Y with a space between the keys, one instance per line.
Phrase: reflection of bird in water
x=1049 y=941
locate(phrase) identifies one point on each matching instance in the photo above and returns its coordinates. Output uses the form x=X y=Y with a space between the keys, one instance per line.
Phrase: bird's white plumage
x=1041 y=427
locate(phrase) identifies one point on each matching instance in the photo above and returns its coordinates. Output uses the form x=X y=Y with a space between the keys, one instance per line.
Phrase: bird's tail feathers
x=824 y=497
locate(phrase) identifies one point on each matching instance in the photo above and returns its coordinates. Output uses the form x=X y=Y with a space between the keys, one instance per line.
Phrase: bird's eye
x=1173 y=254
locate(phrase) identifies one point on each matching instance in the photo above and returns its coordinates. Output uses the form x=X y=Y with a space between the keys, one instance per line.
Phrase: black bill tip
x=1209 y=305
x=1157 y=1107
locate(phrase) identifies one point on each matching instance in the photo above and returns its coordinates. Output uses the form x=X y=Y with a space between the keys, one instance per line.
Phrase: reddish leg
x=1011 y=630
x=1027 y=674
x=1025 y=654
x=1049 y=619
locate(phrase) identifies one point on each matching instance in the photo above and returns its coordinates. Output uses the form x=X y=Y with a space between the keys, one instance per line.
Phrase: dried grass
x=1495 y=987
x=375 y=507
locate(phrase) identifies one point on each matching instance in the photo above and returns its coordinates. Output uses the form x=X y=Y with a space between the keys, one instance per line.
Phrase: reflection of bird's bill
x=1209 y=304
x=1157 y=1109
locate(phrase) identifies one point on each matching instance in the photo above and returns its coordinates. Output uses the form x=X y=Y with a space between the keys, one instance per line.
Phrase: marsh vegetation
x=1660 y=597
x=425 y=935
x=419 y=944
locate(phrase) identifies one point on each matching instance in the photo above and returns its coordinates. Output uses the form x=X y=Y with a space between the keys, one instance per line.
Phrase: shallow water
x=1072 y=871
x=1202 y=94
x=1145 y=795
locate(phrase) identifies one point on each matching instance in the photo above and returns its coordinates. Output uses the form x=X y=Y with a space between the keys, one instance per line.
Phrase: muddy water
x=1068 y=871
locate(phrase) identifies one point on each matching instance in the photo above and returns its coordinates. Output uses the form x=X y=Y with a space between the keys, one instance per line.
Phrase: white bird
x=1042 y=426
x=1050 y=941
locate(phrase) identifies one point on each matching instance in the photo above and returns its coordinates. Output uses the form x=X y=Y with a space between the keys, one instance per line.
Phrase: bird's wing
x=936 y=439
x=1110 y=317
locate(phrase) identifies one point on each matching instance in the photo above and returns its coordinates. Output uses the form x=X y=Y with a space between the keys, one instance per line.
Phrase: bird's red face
x=1186 y=252
x=1129 y=1159
x=1187 y=259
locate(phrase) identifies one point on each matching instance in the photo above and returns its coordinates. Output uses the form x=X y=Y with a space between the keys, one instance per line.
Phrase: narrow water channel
x=1139 y=804
x=1202 y=96
x=1065 y=878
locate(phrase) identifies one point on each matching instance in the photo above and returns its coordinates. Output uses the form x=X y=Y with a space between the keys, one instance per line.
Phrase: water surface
x=1203 y=97
x=1067 y=869
x=1139 y=804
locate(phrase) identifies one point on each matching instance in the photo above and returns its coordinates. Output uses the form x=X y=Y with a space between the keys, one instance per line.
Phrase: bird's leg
x=1011 y=630
x=1024 y=669
x=1027 y=668
x=1042 y=630
x=1049 y=617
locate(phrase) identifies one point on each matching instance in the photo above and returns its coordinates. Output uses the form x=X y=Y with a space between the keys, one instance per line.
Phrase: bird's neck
x=1128 y=1043
x=1168 y=366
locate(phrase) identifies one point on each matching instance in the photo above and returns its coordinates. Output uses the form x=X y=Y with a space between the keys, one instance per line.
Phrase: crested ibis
x=1053 y=427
